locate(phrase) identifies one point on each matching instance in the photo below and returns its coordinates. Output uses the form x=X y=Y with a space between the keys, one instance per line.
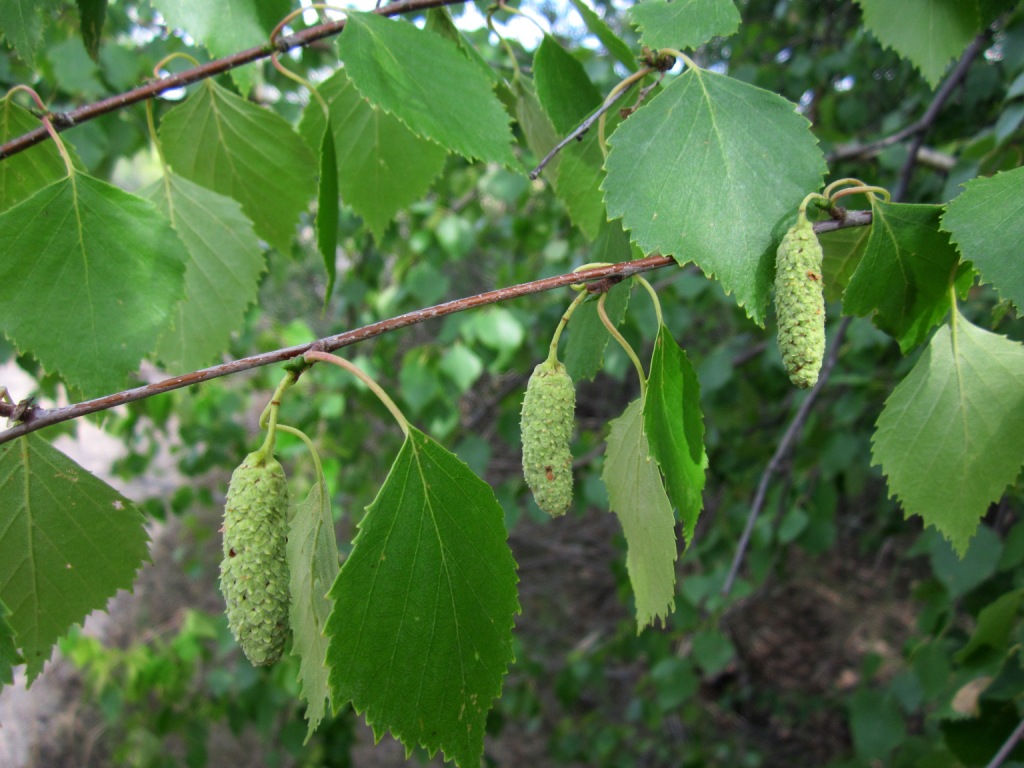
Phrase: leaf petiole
x=603 y=314
x=363 y=376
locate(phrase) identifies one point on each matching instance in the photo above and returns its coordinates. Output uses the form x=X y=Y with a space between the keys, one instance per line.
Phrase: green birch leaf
x=22 y=26
x=421 y=631
x=683 y=23
x=612 y=42
x=565 y=91
x=112 y=264
x=674 y=426
x=382 y=165
x=226 y=26
x=327 y=208
x=930 y=33
x=439 y=21
x=905 y=274
x=637 y=496
x=222 y=274
x=9 y=656
x=691 y=179
x=238 y=149
x=68 y=542
x=958 y=416
x=583 y=354
x=418 y=90
x=987 y=224
x=535 y=124
x=92 y=14
x=843 y=250
x=995 y=623
x=27 y=172
x=313 y=564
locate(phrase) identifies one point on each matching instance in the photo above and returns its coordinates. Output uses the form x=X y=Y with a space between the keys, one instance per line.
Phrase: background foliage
x=852 y=636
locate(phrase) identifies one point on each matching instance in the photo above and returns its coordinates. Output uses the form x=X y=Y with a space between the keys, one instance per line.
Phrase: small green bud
x=800 y=303
x=254 y=572
x=547 y=422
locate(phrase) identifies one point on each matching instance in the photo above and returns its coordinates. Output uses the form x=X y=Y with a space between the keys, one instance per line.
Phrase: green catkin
x=547 y=422
x=800 y=303
x=254 y=572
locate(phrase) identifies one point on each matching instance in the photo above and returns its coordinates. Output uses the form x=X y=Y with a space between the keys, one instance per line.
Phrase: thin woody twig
x=35 y=417
x=64 y=120
x=781 y=452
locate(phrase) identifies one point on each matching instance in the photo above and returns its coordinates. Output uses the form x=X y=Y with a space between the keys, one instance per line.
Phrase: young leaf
x=382 y=166
x=690 y=178
x=958 y=416
x=9 y=656
x=905 y=274
x=928 y=32
x=327 y=208
x=313 y=564
x=221 y=275
x=27 y=172
x=226 y=27
x=612 y=42
x=238 y=149
x=683 y=23
x=421 y=631
x=437 y=92
x=674 y=426
x=987 y=224
x=111 y=263
x=636 y=495
x=92 y=14
x=68 y=542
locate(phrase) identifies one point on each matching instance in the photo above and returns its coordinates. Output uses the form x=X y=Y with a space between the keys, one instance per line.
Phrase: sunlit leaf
x=951 y=435
x=419 y=91
x=238 y=149
x=89 y=276
x=691 y=179
x=222 y=273
x=68 y=542
x=683 y=23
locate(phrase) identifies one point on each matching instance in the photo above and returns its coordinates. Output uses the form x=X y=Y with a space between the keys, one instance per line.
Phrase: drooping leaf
x=327 y=208
x=27 y=172
x=9 y=656
x=313 y=565
x=535 y=124
x=930 y=33
x=905 y=274
x=89 y=275
x=958 y=416
x=637 y=496
x=612 y=42
x=222 y=273
x=238 y=149
x=995 y=622
x=419 y=91
x=439 y=21
x=68 y=542
x=22 y=26
x=843 y=250
x=421 y=631
x=683 y=23
x=987 y=224
x=691 y=179
x=226 y=27
x=92 y=14
x=565 y=91
x=583 y=355
x=674 y=426
x=382 y=166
